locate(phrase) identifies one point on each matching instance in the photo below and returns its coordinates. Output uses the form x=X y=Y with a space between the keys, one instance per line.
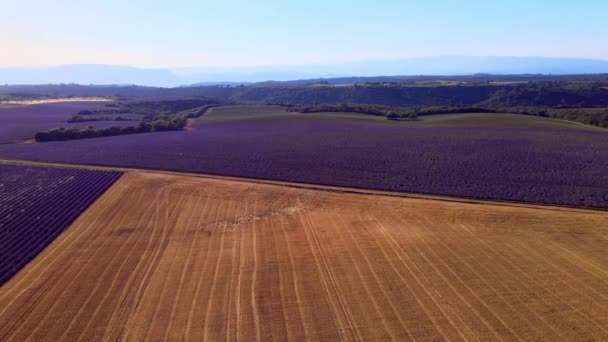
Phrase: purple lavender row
x=37 y=204
x=536 y=165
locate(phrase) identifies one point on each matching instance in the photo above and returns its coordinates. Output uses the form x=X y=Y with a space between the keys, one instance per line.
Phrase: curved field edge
x=167 y=257
x=233 y=113
x=37 y=203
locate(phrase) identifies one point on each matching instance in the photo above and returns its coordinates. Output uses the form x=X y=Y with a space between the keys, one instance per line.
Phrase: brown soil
x=177 y=257
x=27 y=141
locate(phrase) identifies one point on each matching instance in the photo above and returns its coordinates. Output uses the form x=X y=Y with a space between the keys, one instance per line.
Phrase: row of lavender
x=37 y=204
x=538 y=165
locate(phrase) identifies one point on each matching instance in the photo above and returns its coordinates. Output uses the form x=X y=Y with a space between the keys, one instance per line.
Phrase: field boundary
x=312 y=186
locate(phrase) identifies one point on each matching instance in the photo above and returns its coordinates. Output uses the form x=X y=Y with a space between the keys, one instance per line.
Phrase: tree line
x=158 y=117
x=589 y=116
x=78 y=118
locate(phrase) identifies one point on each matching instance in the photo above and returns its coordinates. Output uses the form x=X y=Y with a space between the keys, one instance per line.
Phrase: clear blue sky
x=248 y=32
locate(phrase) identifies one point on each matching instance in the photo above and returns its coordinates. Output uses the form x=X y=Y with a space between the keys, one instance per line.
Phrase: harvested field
x=175 y=257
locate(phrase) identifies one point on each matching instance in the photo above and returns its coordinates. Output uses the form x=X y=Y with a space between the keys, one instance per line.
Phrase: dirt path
x=56 y=100
x=166 y=257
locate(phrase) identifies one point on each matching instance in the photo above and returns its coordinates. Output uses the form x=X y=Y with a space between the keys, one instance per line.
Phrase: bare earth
x=56 y=100
x=178 y=257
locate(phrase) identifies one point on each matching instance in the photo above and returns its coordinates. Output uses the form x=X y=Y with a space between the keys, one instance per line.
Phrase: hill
x=167 y=77
x=570 y=91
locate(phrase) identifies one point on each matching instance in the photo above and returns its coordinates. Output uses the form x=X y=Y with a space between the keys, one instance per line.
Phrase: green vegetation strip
x=158 y=116
x=589 y=116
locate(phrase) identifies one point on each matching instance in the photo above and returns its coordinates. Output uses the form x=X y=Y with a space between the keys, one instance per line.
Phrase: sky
x=229 y=33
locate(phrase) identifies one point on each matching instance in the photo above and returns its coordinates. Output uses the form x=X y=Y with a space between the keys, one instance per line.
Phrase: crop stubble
x=175 y=257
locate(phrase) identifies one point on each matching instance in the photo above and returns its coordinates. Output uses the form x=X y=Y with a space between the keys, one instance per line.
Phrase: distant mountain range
x=109 y=74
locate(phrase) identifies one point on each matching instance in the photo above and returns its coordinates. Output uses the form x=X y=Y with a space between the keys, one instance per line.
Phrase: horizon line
x=377 y=60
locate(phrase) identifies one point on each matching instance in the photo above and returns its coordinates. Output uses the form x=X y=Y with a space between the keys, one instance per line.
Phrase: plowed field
x=176 y=257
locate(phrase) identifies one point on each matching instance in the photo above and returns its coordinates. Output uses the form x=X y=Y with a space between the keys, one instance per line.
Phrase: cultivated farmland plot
x=22 y=122
x=164 y=257
x=510 y=158
x=37 y=204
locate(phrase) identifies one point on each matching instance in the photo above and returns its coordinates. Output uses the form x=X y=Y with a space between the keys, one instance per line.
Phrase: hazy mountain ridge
x=167 y=77
x=88 y=74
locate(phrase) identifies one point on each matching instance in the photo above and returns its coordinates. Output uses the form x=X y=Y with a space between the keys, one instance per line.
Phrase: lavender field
x=18 y=123
x=537 y=165
x=37 y=204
